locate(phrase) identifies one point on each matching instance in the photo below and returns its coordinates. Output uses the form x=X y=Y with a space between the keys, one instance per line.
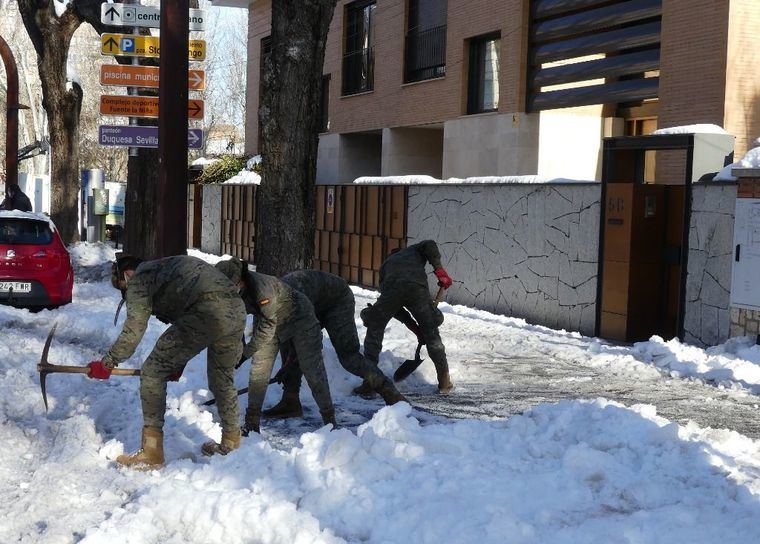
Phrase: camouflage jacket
x=408 y=264
x=324 y=290
x=280 y=313
x=166 y=288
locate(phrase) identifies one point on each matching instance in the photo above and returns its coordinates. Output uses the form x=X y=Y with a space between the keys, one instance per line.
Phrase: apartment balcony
x=425 y=54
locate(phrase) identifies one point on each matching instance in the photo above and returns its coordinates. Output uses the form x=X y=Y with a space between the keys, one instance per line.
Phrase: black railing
x=359 y=71
x=425 y=55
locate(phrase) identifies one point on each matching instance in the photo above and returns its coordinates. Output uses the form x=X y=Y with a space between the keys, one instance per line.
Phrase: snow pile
x=488 y=180
x=571 y=472
x=735 y=363
x=244 y=177
x=203 y=161
x=247 y=176
x=693 y=129
x=750 y=160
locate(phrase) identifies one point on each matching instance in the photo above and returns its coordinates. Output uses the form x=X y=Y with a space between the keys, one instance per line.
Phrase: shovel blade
x=406 y=368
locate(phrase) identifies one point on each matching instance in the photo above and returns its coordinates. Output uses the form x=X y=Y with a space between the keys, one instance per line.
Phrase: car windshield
x=24 y=231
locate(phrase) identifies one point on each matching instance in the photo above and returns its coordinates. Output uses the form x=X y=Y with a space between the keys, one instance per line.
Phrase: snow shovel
x=410 y=365
x=45 y=368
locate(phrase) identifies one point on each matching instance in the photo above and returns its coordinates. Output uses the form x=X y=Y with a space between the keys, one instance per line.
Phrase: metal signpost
x=173 y=80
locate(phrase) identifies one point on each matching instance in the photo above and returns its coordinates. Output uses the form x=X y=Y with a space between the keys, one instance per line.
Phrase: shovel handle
x=67 y=369
x=439 y=295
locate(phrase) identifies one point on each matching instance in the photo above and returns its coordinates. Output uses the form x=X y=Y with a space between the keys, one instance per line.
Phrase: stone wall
x=708 y=280
x=524 y=250
x=211 y=234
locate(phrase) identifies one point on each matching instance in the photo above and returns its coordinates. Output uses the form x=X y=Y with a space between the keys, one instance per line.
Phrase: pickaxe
x=45 y=368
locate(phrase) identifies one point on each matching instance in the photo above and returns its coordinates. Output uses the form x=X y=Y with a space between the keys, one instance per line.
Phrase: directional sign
x=131 y=45
x=135 y=136
x=143 y=106
x=144 y=16
x=124 y=75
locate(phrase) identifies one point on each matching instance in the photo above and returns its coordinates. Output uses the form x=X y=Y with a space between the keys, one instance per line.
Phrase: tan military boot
x=444 y=383
x=388 y=391
x=328 y=416
x=150 y=456
x=230 y=441
x=289 y=406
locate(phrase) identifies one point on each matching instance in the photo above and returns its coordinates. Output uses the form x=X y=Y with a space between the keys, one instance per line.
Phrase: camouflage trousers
x=215 y=322
x=339 y=323
x=415 y=298
x=306 y=346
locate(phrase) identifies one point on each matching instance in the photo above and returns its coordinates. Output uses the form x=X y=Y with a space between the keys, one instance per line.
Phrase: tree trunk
x=289 y=130
x=51 y=36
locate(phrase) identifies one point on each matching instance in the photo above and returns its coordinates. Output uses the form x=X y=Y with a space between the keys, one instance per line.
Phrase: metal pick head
x=118 y=309
x=43 y=364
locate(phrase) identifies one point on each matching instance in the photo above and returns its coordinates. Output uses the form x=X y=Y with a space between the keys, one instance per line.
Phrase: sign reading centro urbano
x=143 y=106
x=125 y=75
x=135 y=136
x=131 y=45
x=144 y=16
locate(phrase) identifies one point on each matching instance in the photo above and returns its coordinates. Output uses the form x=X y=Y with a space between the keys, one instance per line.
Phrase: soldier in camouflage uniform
x=334 y=306
x=404 y=284
x=205 y=311
x=282 y=315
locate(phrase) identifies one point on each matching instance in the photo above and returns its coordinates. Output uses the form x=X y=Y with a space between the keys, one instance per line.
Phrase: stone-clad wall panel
x=524 y=250
x=708 y=283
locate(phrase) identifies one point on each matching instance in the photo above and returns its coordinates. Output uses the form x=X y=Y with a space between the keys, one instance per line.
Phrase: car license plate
x=17 y=286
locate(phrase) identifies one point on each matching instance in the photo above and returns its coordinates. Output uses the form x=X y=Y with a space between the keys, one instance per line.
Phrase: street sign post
x=137 y=136
x=132 y=45
x=144 y=16
x=143 y=106
x=124 y=75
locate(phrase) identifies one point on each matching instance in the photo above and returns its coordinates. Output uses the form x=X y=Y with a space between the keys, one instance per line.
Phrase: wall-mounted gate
x=357 y=227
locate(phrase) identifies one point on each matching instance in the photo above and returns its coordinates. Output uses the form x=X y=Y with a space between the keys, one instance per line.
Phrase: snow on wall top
x=692 y=129
x=487 y=180
x=750 y=160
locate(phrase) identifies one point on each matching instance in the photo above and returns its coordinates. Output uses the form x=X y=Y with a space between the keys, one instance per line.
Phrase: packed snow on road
x=574 y=471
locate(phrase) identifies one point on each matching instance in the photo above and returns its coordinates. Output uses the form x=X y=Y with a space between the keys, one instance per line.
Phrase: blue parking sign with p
x=127 y=45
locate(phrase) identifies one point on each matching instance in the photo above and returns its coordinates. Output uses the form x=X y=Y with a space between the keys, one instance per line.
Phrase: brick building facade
x=400 y=122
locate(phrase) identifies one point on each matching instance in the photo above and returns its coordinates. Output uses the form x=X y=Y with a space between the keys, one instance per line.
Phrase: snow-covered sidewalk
x=573 y=471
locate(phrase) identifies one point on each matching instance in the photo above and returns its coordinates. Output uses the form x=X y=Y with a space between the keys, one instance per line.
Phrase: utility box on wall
x=745 y=270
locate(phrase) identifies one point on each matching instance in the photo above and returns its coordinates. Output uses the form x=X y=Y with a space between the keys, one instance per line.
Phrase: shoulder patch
x=263 y=302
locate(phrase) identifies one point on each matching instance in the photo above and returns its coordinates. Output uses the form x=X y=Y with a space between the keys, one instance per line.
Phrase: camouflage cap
x=232 y=268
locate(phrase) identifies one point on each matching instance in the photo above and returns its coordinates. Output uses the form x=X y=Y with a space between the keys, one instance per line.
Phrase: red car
x=35 y=268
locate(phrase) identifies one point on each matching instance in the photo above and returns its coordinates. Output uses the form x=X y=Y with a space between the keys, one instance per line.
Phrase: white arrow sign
x=144 y=16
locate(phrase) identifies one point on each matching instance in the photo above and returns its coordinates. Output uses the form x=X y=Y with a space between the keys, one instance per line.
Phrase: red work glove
x=98 y=371
x=443 y=278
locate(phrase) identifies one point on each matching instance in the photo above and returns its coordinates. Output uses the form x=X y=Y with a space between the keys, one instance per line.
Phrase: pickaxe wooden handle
x=45 y=368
